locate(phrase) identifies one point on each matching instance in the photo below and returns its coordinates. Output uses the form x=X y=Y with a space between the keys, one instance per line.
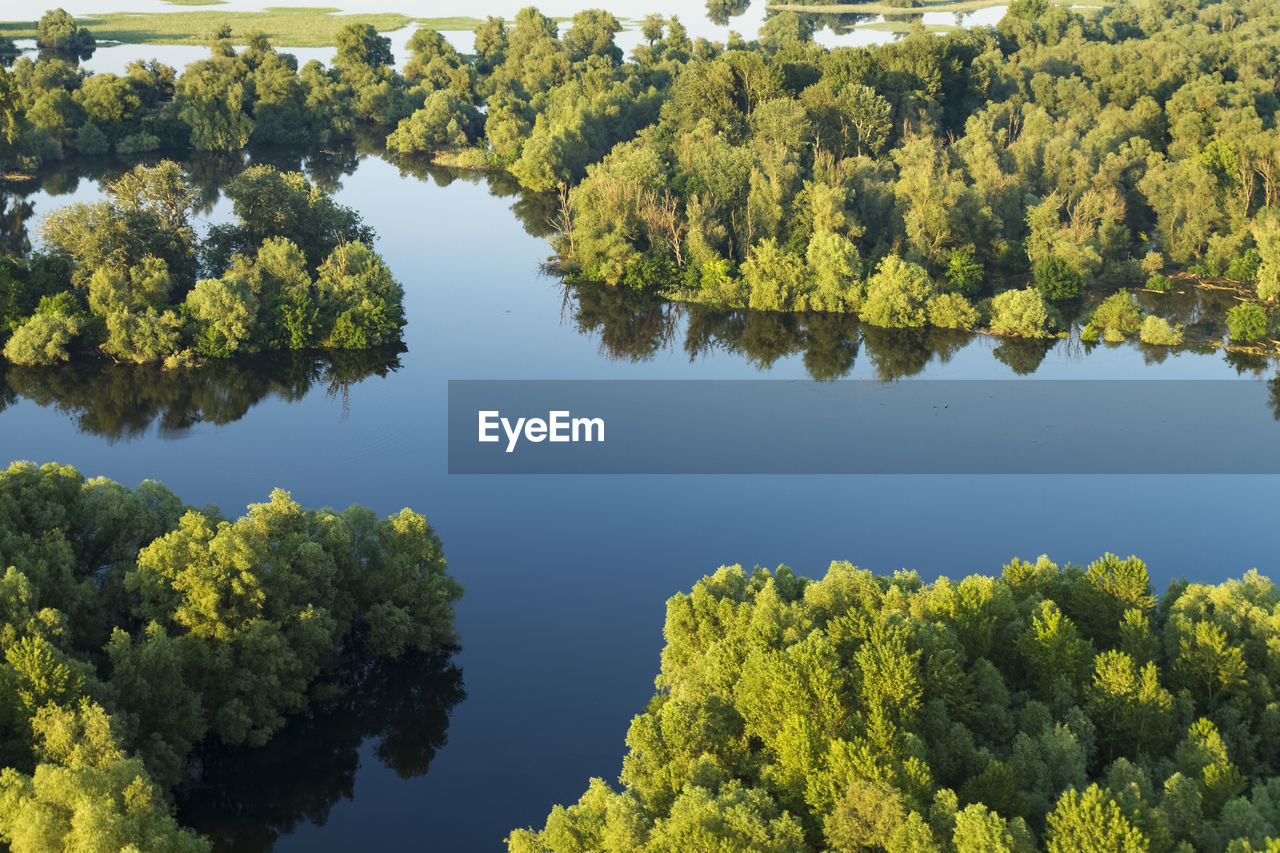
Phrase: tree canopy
x=1076 y=150
x=134 y=629
x=128 y=277
x=1056 y=708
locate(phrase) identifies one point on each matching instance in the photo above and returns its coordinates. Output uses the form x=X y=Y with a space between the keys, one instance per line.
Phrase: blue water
x=566 y=576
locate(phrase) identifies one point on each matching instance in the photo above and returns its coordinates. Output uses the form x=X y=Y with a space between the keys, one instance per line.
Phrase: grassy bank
x=287 y=27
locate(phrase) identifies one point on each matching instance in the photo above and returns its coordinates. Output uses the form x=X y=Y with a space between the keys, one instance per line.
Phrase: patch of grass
x=286 y=27
x=905 y=27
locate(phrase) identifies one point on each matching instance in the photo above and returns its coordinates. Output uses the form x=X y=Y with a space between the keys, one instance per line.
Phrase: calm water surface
x=566 y=577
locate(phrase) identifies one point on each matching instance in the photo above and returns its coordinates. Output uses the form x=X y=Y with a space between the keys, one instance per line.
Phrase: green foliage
x=270 y=203
x=964 y=274
x=58 y=33
x=212 y=629
x=43 y=339
x=1056 y=279
x=1160 y=332
x=1023 y=313
x=862 y=712
x=897 y=294
x=952 y=311
x=86 y=794
x=1246 y=323
x=360 y=46
x=1118 y=316
x=778 y=279
x=443 y=122
x=296 y=272
x=1091 y=821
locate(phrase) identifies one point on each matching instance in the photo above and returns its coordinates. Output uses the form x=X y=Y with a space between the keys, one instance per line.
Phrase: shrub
x=138 y=143
x=897 y=295
x=1244 y=267
x=837 y=272
x=1021 y=312
x=44 y=339
x=1117 y=316
x=1056 y=279
x=1160 y=332
x=777 y=280
x=1246 y=322
x=1158 y=282
x=964 y=274
x=952 y=311
x=91 y=140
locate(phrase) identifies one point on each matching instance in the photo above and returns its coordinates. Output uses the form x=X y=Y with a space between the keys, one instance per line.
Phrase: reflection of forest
x=720 y=11
x=123 y=400
x=245 y=798
x=635 y=327
x=840 y=23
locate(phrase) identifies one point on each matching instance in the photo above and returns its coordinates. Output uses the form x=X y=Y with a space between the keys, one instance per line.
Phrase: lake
x=566 y=576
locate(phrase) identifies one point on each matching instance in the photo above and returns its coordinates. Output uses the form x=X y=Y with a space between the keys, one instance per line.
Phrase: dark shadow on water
x=123 y=401
x=245 y=798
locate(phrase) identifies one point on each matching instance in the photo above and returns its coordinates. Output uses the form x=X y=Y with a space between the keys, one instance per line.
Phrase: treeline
x=1062 y=709
x=1002 y=178
x=128 y=276
x=135 y=630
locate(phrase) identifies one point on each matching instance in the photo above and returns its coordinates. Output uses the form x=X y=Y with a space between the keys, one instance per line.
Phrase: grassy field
x=286 y=27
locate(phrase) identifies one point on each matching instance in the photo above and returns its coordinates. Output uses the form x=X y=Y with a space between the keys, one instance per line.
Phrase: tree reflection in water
x=122 y=401
x=245 y=798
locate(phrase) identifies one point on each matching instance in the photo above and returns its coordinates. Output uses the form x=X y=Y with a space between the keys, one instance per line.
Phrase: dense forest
x=123 y=276
x=1063 y=709
x=1006 y=178
x=138 y=633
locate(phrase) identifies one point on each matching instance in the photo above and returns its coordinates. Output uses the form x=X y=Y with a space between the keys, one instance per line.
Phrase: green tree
x=591 y=34
x=57 y=32
x=443 y=122
x=360 y=47
x=224 y=311
x=1056 y=279
x=86 y=794
x=1117 y=316
x=897 y=294
x=1023 y=313
x=212 y=100
x=1246 y=323
x=1091 y=821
